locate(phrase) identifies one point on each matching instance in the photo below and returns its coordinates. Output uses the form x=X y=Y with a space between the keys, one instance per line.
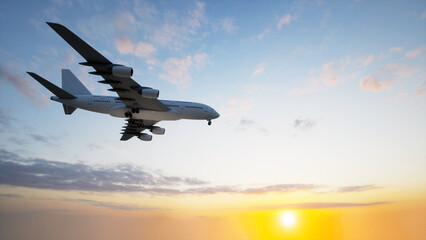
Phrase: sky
x=322 y=114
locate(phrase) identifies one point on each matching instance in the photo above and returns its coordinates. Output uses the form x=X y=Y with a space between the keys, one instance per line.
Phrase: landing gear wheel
x=209 y=122
x=128 y=114
x=135 y=110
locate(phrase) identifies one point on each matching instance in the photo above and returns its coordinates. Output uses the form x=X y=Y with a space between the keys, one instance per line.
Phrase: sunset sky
x=322 y=133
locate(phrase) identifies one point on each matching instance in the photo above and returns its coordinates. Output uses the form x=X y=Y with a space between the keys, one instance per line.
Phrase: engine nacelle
x=158 y=130
x=150 y=93
x=122 y=71
x=145 y=137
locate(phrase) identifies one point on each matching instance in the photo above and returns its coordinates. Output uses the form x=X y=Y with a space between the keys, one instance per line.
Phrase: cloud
x=372 y=84
x=239 y=104
x=329 y=75
x=320 y=205
x=124 y=45
x=386 y=76
x=421 y=89
x=6 y=195
x=395 y=49
x=416 y=52
x=245 y=122
x=178 y=71
x=248 y=123
x=115 y=206
x=50 y=141
x=285 y=20
x=197 y=15
x=144 y=49
x=282 y=188
x=5 y=119
x=368 y=60
x=303 y=124
x=259 y=69
x=23 y=86
x=45 y=174
x=358 y=188
x=177 y=30
x=263 y=34
x=228 y=25
x=423 y=16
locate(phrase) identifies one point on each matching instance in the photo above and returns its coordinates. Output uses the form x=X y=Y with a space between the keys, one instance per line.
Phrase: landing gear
x=209 y=122
x=128 y=114
x=135 y=110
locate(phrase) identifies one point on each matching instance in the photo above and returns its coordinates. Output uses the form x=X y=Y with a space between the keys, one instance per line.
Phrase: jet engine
x=145 y=137
x=158 y=130
x=150 y=93
x=122 y=71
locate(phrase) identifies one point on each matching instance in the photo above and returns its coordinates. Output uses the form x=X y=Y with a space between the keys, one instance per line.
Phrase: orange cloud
x=416 y=52
x=371 y=83
x=285 y=20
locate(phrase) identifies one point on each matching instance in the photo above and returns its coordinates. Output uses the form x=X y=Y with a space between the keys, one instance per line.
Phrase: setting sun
x=288 y=219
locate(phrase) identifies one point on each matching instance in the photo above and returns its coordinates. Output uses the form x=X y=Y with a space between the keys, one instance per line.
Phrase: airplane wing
x=127 y=89
x=134 y=127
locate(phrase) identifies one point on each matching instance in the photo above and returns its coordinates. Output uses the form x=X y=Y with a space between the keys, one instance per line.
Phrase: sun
x=288 y=219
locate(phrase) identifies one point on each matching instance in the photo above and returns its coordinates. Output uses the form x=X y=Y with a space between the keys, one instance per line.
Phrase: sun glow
x=288 y=219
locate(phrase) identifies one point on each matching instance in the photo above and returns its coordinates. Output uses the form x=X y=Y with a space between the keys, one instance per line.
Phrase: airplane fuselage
x=109 y=105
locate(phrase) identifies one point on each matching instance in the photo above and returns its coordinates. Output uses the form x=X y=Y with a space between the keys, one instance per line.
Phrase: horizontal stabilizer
x=68 y=109
x=59 y=92
x=84 y=49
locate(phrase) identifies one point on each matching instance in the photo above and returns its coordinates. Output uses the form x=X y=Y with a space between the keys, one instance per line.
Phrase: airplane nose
x=215 y=114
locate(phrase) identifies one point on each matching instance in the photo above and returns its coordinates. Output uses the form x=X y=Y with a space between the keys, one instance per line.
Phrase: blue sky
x=310 y=92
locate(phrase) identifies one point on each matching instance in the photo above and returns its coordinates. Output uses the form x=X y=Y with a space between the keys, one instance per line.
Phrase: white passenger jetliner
x=136 y=103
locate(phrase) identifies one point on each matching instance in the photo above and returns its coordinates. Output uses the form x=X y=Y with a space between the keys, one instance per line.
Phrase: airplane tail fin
x=59 y=92
x=71 y=84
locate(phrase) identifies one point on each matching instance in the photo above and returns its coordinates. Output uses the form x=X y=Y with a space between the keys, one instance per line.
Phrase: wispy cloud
x=416 y=52
x=358 y=188
x=110 y=205
x=259 y=69
x=421 y=89
x=368 y=60
x=320 y=205
x=329 y=75
x=303 y=124
x=386 y=76
x=49 y=141
x=23 y=85
x=246 y=123
x=423 y=16
x=228 y=25
x=395 y=49
x=373 y=84
x=178 y=71
x=264 y=34
x=239 y=104
x=284 y=20
x=176 y=31
x=5 y=119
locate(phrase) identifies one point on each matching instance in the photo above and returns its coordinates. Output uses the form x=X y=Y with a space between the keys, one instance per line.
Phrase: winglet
x=59 y=92
x=84 y=49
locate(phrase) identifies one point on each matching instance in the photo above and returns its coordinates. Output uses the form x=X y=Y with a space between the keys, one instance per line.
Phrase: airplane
x=138 y=104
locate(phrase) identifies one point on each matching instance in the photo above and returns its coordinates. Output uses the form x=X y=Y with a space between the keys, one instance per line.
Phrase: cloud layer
x=123 y=177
